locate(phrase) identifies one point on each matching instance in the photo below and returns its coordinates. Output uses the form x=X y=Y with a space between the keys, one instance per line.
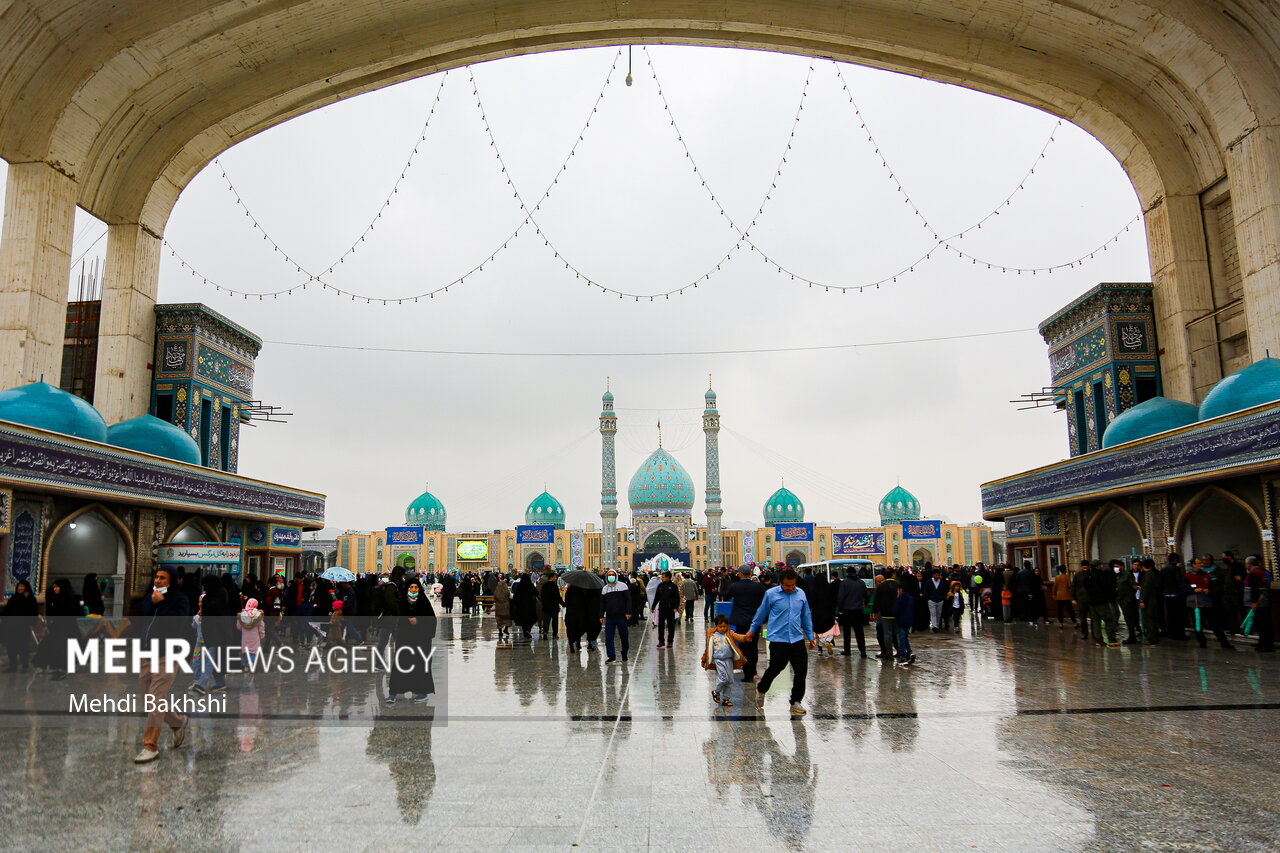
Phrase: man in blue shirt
x=786 y=610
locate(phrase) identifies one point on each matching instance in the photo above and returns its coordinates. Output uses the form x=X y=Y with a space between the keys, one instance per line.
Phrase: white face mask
x=413 y=596
x=161 y=589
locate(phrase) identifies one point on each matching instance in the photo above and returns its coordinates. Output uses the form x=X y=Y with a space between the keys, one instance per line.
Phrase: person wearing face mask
x=615 y=611
x=164 y=617
x=415 y=630
x=274 y=619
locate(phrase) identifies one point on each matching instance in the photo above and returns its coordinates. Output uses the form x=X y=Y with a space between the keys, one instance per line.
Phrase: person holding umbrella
x=577 y=599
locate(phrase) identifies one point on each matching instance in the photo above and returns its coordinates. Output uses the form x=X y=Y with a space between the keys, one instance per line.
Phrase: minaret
x=711 y=426
x=608 y=484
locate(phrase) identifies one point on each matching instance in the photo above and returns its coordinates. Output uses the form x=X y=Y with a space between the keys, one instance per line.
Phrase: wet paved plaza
x=1016 y=739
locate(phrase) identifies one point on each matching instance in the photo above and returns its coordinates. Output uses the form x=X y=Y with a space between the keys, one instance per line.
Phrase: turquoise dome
x=43 y=406
x=149 y=434
x=425 y=511
x=545 y=509
x=783 y=507
x=1254 y=385
x=661 y=483
x=899 y=505
x=1148 y=418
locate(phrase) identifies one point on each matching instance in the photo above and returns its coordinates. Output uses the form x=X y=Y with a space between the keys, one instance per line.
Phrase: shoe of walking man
x=786 y=611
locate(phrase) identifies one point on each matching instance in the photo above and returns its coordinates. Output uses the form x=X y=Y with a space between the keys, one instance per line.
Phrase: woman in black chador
x=17 y=623
x=415 y=630
x=524 y=608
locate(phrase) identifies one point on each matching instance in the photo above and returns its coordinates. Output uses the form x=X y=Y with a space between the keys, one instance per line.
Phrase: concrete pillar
x=1182 y=292
x=35 y=264
x=126 y=333
x=1255 y=198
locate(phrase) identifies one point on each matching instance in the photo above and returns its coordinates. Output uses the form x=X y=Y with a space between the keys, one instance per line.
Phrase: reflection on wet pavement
x=1018 y=739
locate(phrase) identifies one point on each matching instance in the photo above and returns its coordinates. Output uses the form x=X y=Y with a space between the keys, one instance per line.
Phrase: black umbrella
x=585 y=580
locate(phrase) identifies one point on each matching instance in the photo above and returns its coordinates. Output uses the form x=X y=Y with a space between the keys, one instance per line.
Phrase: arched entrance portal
x=1115 y=536
x=920 y=556
x=1133 y=76
x=1215 y=522
x=534 y=561
x=90 y=543
x=407 y=562
x=794 y=558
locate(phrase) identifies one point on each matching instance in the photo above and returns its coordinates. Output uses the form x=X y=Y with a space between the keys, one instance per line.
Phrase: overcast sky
x=371 y=429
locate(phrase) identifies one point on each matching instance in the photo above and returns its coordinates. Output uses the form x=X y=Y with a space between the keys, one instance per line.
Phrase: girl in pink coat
x=252 y=630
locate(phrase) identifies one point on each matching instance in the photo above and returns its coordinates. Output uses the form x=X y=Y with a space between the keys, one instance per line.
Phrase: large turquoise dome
x=661 y=483
x=1254 y=385
x=149 y=434
x=43 y=406
x=899 y=505
x=1148 y=418
x=425 y=511
x=545 y=509
x=784 y=507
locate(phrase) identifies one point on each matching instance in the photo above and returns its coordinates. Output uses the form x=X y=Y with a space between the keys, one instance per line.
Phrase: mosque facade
x=81 y=497
x=1148 y=474
x=662 y=499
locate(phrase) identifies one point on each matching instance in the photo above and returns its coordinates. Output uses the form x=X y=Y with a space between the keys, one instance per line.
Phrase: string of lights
x=624 y=294
x=940 y=242
x=426 y=294
x=741 y=235
x=418 y=145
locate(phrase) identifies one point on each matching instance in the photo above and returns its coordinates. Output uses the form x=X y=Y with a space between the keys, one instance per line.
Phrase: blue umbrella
x=337 y=574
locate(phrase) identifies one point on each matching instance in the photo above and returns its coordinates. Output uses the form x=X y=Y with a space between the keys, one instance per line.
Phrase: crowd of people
x=792 y=613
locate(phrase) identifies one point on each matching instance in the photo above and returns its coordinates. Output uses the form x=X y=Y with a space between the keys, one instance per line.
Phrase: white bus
x=866 y=569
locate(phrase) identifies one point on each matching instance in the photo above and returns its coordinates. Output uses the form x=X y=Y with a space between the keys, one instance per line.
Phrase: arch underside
x=133 y=99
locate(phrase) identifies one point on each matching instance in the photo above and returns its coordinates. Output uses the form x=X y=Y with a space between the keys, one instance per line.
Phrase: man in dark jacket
x=1173 y=581
x=746 y=595
x=883 y=602
x=1128 y=591
x=1080 y=595
x=935 y=593
x=216 y=626
x=164 y=616
x=615 y=612
x=1101 y=586
x=1150 y=602
x=1031 y=592
x=667 y=600
x=851 y=598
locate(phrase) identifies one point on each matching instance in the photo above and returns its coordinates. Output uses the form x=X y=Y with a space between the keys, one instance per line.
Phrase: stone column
x=35 y=264
x=1255 y=200
x=126 y=333
x=1182 y=292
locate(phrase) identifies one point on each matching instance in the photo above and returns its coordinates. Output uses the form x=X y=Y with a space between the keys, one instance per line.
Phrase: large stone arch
x=117 y=106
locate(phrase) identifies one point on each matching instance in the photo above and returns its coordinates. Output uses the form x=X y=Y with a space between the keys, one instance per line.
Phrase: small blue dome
x=43 y=406
x=545 y=509
x=149 y=434
x=661 y=483
x=426 y=511
x=783 y=507
x=1148 y=418
x=1254 y=385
